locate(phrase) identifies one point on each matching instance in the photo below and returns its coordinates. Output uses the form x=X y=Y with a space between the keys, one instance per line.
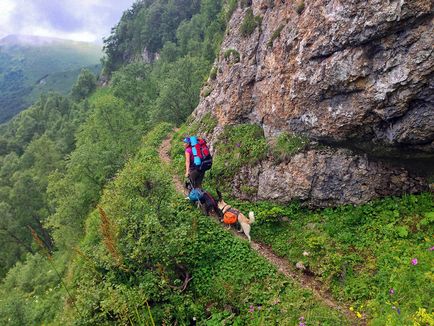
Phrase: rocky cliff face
x=346 y=73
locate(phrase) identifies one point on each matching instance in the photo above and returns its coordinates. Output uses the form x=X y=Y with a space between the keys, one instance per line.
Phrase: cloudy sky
x=81 y=20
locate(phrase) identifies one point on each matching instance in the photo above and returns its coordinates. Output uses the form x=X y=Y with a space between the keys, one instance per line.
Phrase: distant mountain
x=30 y=65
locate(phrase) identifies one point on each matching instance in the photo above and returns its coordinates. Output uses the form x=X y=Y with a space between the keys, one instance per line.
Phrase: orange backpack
x=230 y=217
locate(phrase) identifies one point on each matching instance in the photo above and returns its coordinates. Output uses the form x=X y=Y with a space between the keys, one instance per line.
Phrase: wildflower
x=358 y=314
x=251 y=309
x=238 y=145
x=393 y=307
x=392 y=291
x=302 y=324
x=259 y=307
x=431 y=249
x=301 y=318
x=398 y=311
x=414 y=261
x=351 y=309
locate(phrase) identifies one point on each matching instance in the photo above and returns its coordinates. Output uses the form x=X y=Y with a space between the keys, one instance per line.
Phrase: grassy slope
x=60 y=82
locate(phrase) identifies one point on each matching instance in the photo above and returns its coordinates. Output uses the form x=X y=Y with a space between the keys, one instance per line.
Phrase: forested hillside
x=93 y=230
x=30 y=66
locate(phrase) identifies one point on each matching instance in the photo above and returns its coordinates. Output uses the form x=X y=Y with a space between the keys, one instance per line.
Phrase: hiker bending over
x=197 y=160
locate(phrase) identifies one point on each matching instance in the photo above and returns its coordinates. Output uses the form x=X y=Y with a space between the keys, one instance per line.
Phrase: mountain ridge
x=25 y=60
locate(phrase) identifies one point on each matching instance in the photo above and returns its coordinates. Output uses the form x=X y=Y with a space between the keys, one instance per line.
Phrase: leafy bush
x=232 y=56
x=238 y=145
x=231 y=6
x=207 y=91
x=207 y=123
x=213 y=73
x=31 y=292
x=250 y=22
x=85 y=85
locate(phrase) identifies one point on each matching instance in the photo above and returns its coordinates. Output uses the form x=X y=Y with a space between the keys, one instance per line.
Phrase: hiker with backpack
x=197 y=160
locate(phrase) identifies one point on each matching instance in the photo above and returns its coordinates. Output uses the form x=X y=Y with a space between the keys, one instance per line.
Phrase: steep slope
x=31 y=65
x=353 y=77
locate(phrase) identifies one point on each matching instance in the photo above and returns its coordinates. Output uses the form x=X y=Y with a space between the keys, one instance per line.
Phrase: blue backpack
x=195 y=194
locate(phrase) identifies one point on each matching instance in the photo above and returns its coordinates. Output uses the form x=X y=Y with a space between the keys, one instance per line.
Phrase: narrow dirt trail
x=164 y=155
x=283 y=266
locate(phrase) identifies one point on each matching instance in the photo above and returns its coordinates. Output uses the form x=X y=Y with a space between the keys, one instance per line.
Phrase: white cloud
x=7 y=7
x=83 y=20
x=78 y=36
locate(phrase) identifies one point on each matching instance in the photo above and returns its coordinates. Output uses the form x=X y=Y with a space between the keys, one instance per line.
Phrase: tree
x=179 y=85
x=86 y=84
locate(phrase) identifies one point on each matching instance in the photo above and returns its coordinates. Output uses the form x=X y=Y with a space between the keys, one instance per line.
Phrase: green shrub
x=229 y=9
x=232 y=56
x=299 y=7
x=207 y=91
x=84 y=86
x=249 y=190
x=250 y=22
x=275 y=35
x=213 y=73
x=207 y=123
x=238 y=145
x=286 y=145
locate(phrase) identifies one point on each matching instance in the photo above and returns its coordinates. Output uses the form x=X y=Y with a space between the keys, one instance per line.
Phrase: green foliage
x=207 y=91
x=38 y=141
x=286 y=145
x=232 y=56
x=105 y=142
x=275 y=35
x=250 y=22
x=359 y=253
x=135 y=84
x=238 y=146
x=31 y=292
x=299 y=7
x=147 y=25
x=231 y=6
x=207 y=123
x=179 y=86
x=85 y=85
x=59 y=192
x=213 y=73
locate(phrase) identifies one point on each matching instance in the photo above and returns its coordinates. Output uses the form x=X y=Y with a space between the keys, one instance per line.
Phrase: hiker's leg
x=199 y=179
x=194 y=174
